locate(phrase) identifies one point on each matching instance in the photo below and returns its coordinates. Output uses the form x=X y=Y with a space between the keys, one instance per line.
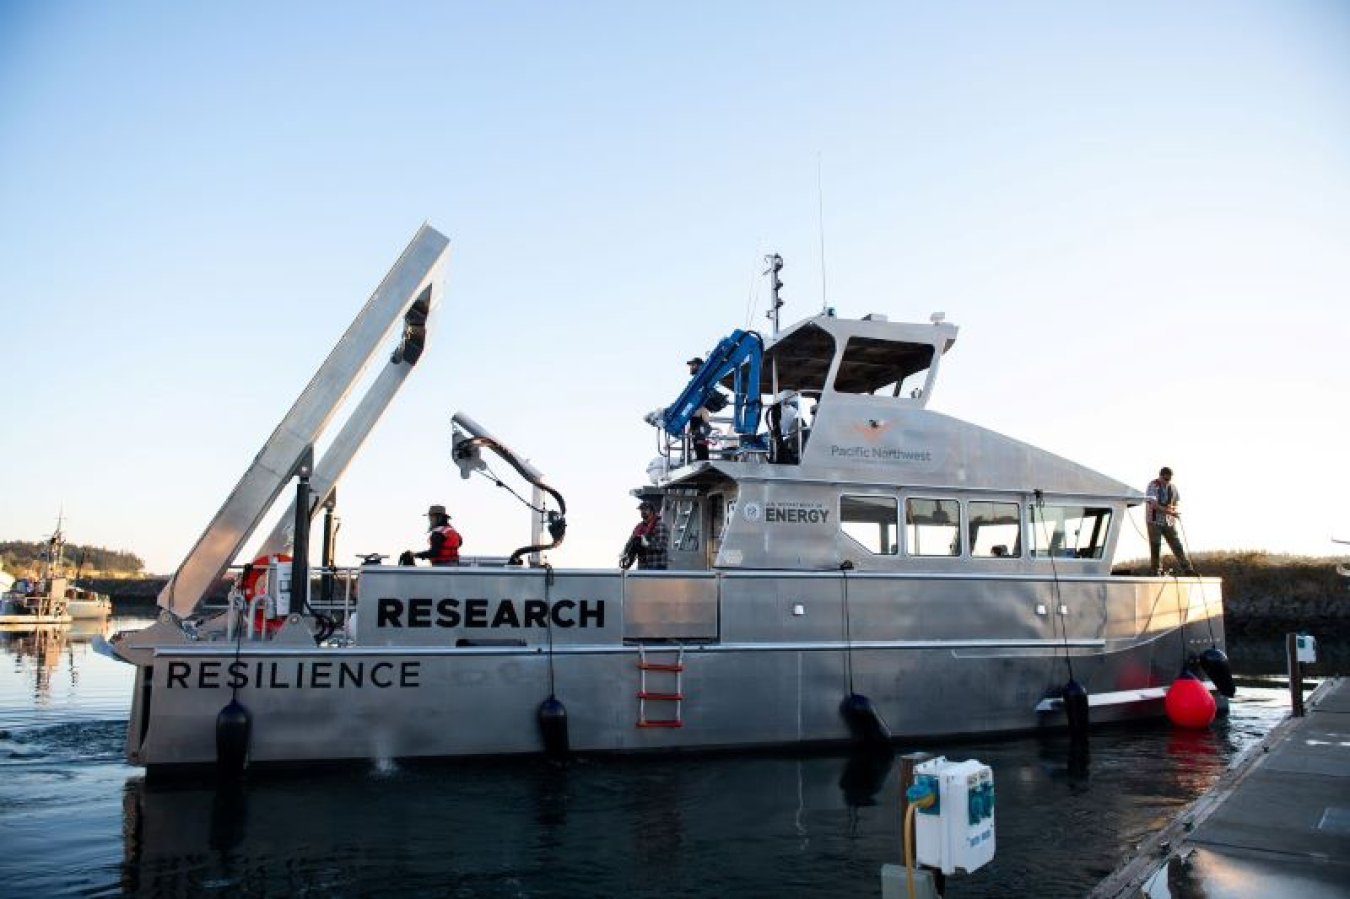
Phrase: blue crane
x=738 y=354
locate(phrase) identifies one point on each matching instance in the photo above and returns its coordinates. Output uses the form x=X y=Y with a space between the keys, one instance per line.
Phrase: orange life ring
x=255 y=584
x=259 y=573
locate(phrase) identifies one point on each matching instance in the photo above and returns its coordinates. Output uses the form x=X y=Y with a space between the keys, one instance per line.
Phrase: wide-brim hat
x=437 y=510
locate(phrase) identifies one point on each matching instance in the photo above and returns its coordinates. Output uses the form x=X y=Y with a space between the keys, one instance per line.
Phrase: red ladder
x=664 y=698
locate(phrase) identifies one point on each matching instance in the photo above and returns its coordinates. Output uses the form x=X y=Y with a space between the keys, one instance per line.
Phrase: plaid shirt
x=1165 y=495
x=652 y=555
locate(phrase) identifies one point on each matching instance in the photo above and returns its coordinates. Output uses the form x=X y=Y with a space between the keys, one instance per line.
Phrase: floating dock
x=1276 y=824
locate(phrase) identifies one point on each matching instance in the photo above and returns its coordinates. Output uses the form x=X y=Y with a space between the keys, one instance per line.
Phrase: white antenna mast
x=820 y=219
x=775 y=263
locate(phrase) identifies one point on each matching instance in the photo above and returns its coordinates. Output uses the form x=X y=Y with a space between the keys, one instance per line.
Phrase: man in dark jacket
x=700 y=425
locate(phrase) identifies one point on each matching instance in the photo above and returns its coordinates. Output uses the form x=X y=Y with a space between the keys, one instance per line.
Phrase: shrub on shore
x=1267 y=594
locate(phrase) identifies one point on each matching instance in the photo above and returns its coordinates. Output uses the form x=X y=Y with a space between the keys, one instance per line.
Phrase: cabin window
x=873 y=522
x=802 y=360
x=1069 y=532
x=883 y=367
x=995 y=529
x=933 y=527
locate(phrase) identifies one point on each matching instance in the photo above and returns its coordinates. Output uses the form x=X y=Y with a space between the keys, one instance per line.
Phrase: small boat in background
x=52 y=596
x=31 y=603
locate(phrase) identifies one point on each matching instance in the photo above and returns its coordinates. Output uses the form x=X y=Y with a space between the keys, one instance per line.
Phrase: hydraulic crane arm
x=411 y=288
x=333 y=463
x=469 y=438
x=738 y=354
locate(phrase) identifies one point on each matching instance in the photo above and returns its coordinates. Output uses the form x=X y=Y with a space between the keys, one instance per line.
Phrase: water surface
x=75 y=819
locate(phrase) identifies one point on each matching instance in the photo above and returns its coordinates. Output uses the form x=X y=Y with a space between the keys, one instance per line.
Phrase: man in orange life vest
x=444 y=539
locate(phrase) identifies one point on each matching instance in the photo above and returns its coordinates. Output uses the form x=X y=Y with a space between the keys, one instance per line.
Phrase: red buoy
x=1188 y=702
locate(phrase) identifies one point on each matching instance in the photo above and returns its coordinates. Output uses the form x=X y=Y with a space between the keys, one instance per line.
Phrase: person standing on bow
x=1161 y=517
x=444 y=540
x=648 y=544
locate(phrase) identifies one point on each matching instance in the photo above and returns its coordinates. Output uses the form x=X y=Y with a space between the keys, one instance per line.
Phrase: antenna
x=775 y=263
x=752 y=293
x=820 y=221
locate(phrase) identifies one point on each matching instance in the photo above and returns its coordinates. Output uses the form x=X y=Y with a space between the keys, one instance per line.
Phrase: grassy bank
x=1267 y=594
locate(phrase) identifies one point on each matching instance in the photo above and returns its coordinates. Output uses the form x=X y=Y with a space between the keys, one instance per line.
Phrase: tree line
x=20 y=557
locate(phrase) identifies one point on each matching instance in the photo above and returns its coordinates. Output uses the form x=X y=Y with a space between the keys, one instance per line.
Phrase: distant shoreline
x=140 y=592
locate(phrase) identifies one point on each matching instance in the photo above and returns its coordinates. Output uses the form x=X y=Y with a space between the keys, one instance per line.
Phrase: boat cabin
x=851 y=466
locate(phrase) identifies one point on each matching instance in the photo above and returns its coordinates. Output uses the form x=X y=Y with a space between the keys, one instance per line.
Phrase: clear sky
x=1138 y=214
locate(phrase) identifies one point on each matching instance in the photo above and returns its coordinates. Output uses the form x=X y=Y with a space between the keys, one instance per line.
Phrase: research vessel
x=847 y=564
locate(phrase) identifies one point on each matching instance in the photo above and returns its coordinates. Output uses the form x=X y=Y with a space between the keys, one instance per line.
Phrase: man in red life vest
x=444 y=539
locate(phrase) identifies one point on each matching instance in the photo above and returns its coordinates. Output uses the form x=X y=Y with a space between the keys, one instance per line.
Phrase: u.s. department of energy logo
x=752 y=512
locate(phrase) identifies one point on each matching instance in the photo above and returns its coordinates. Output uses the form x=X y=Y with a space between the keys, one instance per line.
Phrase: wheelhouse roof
x=880 y=353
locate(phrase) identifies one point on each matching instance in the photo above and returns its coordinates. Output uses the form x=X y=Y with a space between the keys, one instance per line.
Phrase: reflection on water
x=668 y=826
x=52 y=674
x=47 y=664
x=794 y=825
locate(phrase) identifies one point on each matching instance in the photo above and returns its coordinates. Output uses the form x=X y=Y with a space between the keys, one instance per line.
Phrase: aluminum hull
x=767 y=659
x=89 y=608
x=19 y=622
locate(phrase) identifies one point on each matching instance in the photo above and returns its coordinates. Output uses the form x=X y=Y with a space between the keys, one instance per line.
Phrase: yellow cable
x=909 y=848
x=908 y=837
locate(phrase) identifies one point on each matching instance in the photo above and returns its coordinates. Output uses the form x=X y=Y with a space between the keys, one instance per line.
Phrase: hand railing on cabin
x=724 y=443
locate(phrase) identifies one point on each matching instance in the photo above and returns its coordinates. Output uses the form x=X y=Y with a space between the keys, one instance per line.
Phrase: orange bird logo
x=872 y=429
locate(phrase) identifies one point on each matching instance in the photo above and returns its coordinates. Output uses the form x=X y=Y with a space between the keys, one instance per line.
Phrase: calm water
x=75 y=819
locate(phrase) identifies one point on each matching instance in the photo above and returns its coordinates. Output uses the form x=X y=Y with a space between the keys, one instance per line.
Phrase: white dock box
x=958 y=830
